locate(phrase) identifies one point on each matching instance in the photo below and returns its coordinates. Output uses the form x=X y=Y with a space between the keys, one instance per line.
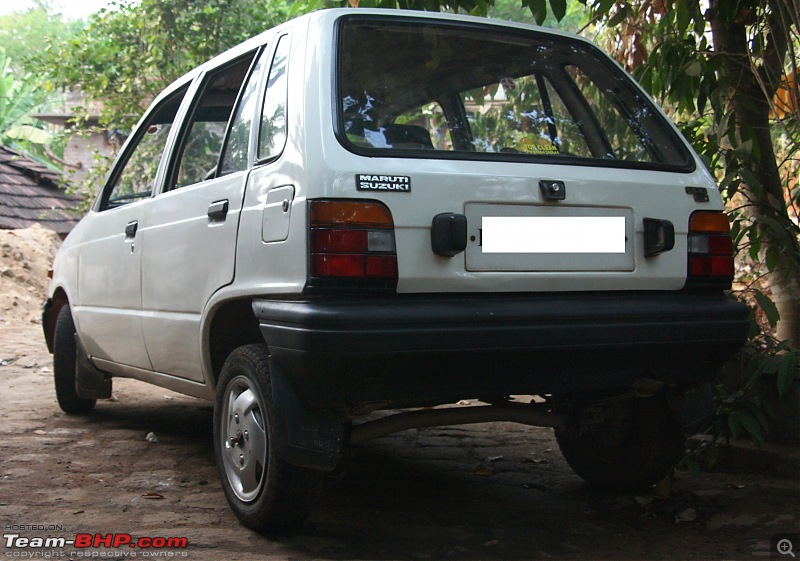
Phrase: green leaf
x=619 y=17
x=603 y=7
x=30 y=134
x=768 y=306
x=752 y=426
x=559 y=8
x=772 y=257
x=684 y=18
x=538 y=10
x=787 y=373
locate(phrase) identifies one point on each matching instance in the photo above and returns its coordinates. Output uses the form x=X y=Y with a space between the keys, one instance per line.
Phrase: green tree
x=19 y=98
x=126 y=55
x=720 y=71
x=515 y=10
x=26 y=33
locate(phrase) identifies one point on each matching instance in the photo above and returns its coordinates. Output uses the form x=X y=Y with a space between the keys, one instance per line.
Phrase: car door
x=107 y=306
x=190 y=238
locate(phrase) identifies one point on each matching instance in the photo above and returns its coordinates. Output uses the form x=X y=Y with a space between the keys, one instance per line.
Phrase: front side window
x=444 y=90
x=135 y=180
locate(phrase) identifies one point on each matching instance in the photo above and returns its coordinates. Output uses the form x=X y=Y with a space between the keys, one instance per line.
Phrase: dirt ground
x=490 y=491
x=25 y=257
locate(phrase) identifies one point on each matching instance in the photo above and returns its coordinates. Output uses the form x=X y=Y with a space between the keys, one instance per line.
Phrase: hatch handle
x=659 y=236
x=449 y=234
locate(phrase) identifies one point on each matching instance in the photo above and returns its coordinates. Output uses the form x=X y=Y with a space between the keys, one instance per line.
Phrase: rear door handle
x=130 y=229
x=218 y=210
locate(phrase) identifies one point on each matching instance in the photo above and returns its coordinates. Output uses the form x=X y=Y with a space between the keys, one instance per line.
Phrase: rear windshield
x=432 y=89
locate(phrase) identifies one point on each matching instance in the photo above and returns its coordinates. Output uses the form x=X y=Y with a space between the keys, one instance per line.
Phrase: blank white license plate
x=553 y=234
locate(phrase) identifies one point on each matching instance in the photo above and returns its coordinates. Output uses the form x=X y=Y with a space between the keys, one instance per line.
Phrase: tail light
x=710 y=250
x=352 y=241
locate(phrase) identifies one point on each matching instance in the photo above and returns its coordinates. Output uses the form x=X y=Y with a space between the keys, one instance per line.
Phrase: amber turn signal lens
x=711 y=222
x=346 y=213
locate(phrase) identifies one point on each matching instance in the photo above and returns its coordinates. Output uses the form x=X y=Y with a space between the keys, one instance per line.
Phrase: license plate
x=553 y=234
x=548 y=238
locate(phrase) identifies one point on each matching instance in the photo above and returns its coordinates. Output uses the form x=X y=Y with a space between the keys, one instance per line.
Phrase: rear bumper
x=426 y=349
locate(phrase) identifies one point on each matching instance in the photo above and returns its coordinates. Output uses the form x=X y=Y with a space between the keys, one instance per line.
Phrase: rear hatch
x=512 y=159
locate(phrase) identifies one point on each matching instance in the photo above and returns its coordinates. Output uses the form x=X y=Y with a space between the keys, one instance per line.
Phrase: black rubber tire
x=286 y=493
x=64 y=366
x=643 y=452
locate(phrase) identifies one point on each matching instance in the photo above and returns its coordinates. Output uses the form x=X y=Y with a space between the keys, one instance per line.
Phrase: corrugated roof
x=29 y=194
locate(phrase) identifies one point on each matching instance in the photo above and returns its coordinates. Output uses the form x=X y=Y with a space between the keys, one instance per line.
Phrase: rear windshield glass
x=442 y=90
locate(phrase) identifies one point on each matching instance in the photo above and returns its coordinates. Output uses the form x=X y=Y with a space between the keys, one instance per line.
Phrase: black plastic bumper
x=425 y=349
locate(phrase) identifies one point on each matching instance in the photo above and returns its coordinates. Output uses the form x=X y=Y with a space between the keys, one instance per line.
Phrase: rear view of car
x=444 y=208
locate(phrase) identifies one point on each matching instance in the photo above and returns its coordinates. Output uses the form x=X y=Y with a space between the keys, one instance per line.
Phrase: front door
x=107 y=306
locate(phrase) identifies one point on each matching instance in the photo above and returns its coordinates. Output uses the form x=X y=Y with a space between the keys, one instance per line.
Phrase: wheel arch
x=232 y=324
x=50 y=315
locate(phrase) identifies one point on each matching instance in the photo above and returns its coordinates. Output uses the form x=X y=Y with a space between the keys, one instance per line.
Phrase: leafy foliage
x=127 y=54
x=19 y=98
x=720 y=72
x=27 y=32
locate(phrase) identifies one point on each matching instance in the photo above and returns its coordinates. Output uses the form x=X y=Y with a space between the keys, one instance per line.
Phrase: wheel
x=623 y=445
x=64 y=366
x=266 y=493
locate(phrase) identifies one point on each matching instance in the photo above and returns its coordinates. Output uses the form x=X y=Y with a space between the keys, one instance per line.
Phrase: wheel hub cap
x=245 y=439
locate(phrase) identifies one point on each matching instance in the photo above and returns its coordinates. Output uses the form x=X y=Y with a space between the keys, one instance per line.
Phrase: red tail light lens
x=352 y=240
x=710 y=250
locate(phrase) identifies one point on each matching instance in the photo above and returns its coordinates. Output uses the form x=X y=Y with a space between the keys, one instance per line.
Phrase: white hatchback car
x=363 y=210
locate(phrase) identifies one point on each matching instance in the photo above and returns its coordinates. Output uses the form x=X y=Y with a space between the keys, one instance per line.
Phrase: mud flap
x=90 y=383
x=310 y=439
x=693 y=410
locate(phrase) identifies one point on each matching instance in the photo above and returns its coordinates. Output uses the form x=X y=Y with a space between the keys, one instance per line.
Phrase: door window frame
x=176 y=98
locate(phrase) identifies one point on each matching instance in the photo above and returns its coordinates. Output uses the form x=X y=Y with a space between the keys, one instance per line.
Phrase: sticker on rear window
x=369 y=182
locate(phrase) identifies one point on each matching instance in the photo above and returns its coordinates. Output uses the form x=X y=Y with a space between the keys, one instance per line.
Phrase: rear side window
x=235 y=156
x=445 y=90
x=272 y=135
x=201 y=142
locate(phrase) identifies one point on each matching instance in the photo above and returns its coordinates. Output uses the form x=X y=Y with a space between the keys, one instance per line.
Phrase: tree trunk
x=768 y=207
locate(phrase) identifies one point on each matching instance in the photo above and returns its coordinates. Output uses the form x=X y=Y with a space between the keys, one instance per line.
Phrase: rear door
x=189 y=238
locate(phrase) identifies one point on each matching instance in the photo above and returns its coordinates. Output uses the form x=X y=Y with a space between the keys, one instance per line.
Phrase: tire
x=266 y=493
x=622 y=446
x=64 y=366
